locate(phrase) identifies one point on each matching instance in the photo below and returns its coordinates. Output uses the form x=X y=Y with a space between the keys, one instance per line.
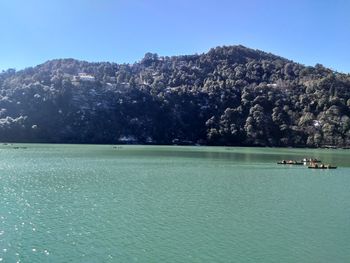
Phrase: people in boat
x=310 y=160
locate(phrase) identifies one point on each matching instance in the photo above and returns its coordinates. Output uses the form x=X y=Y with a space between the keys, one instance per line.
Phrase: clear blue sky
x=306 y=31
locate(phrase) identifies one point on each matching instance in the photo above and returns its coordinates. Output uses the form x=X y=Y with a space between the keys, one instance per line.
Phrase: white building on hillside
x=86 y=77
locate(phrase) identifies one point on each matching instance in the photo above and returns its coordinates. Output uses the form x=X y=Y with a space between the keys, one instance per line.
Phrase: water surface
x=84 y=203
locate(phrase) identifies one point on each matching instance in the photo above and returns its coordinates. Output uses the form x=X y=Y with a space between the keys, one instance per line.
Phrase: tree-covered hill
x=228 y=96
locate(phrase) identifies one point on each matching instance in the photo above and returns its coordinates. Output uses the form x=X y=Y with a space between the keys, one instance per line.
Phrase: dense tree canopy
x=228 y=96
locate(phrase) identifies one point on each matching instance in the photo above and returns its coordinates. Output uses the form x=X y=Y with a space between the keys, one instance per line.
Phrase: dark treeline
x=228 y=96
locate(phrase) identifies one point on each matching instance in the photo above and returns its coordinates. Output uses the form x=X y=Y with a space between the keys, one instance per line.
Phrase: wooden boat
x=290 y=162
x=322 y=167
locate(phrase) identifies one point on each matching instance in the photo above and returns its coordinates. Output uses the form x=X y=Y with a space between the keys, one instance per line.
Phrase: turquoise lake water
x=85 y=203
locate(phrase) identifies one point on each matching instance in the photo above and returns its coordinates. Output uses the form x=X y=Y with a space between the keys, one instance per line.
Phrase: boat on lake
x=321 y=166
x=290 y=162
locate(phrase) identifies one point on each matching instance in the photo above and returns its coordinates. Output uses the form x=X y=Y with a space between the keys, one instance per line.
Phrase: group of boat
x=310 y=162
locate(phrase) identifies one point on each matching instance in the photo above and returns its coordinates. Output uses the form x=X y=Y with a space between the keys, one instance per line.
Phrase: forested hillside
x=228 y=96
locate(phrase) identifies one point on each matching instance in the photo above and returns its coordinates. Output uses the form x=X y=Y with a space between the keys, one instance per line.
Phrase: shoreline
x=178 y=145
